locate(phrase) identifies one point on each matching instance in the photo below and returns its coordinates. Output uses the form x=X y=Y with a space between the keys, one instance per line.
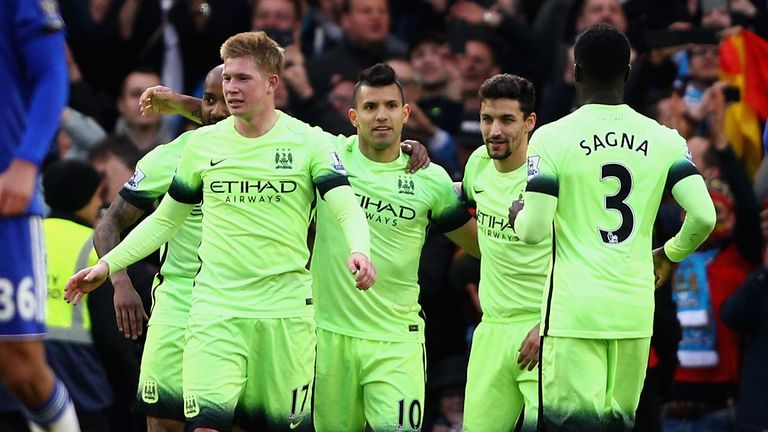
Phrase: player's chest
x=493 y=195
x=395 y=200
x=268 y=160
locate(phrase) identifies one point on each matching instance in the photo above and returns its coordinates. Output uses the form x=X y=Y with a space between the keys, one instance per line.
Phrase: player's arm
x=466 y=237
x=43 y=62
x=700 y=217
x=419 y=157
x=129 y=309
x=449 y=214
x=343 y=204
x=532 y=221
x=163 y=100
x=148 y=236
x=531 y=215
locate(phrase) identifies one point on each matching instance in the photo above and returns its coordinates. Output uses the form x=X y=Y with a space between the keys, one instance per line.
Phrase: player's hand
x=418 y=153
x=85 y=281
x=529 y=350
x=363 y=269
x=515 y=209
x=662 y=266
x=159 y=99
x=17 y=185
x=129 y=310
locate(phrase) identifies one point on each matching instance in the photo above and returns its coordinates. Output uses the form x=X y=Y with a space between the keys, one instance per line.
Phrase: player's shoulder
x=433 y=174
x=301 y=133
x=36 y=15
x=479 y=156
x=223 y=127
x=167 y=150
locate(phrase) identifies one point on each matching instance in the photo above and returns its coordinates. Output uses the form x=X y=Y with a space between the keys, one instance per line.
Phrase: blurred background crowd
x=698 y=66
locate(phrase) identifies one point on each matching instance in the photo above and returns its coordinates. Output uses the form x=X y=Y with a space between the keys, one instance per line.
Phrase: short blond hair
x=265 y=52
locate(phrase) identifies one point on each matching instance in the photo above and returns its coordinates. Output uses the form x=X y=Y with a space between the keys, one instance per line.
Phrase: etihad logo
x=405 y=185
x=385 y=212
x=149 y=392
x=253 y=187
x=495 y=227
x=256 y=191
x=283 y=158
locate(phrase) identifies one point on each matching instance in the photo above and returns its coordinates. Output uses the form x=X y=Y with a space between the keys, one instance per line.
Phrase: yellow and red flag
x=744 y=64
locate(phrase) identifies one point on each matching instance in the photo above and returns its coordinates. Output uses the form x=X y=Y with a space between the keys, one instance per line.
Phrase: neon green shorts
x=363 y=380
x=497 y=389
x=591 y=384
x=160 y=394
x=260 y=369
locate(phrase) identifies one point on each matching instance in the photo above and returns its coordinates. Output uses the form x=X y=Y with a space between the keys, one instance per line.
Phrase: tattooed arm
x=129 y=310
x=163 y=100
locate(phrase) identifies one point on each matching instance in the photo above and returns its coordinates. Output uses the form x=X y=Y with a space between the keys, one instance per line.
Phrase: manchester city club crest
x=149 y=392
x=283 y=158
x=405 y=185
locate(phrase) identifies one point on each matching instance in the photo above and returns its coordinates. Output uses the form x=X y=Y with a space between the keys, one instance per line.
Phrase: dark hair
x=69 y=184
x=144 y=70
x=426 y=37
x=488 y=40
x=119 y=146
x=602 y=51
x=346 y=6
x=378 y=75
x=508 y=86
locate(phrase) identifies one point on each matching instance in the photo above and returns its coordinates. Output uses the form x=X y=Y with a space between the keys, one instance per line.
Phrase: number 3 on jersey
x=618 y=203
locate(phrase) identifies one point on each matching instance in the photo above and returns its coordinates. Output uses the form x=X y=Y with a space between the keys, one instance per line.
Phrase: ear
x=530 y=122
x=406 y=112
x=352 y=114
x=627 y=72
x=577 y=72
x=272 y=82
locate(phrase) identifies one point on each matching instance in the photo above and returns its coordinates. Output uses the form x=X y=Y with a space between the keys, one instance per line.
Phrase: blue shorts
x=23 y=284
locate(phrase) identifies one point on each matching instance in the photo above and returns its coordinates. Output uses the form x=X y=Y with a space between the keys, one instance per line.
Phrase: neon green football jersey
x=257 y=195
x=399 y=207
x=608 y=166
x=512 y=273
x=172 y=292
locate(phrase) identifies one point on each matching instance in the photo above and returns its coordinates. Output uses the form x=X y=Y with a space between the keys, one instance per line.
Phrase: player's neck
x=511 y=163
x=388 y=154
x=256 y=125
x=602 y=96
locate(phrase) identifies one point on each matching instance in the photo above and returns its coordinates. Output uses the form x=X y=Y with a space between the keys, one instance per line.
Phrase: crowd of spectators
x=706 y=371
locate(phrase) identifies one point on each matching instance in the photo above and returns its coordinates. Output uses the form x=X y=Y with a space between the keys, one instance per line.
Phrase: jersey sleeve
x=36 y=17
x=681 y=165
x=326 y=167
x=342 y=203
x=37 y=28
x=187 y=184
x=153 y=175
x=470 y=171
x=688 y=188
x=448 y=211
x=534 y=223
x=149 y=235
x=542 y=165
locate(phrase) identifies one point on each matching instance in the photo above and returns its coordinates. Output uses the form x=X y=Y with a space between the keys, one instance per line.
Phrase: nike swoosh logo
x=474 y=189
x=217 y=162
x=293 y=425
